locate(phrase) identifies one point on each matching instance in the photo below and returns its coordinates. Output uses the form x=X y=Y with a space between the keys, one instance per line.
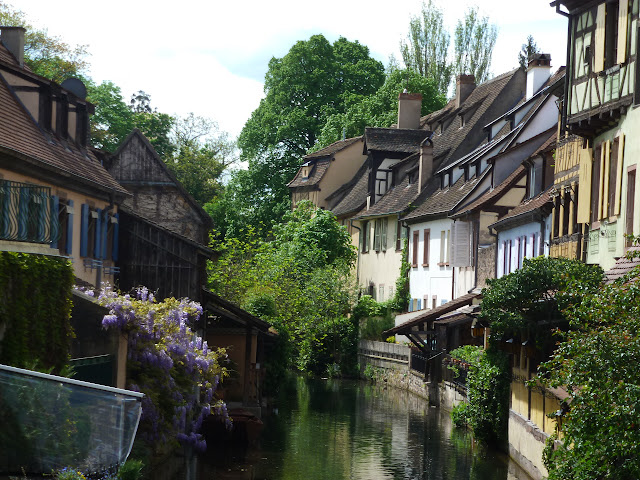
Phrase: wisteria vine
x=169 y=363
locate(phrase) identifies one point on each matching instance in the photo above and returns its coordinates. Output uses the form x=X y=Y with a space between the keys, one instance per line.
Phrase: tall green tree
x=45 y=54
x=381 y=108
x=312 y=81
x=528 y=50
x=474 y=40
x=426 y=49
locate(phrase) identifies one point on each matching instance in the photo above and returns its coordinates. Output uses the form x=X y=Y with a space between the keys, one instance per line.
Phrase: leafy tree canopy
x=474 y=40
x=381 y=108
x=528 y=50
x=45 y=54
x=597 y=365
x=426 y=49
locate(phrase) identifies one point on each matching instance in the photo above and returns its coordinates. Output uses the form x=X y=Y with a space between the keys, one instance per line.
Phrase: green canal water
x=333 y=429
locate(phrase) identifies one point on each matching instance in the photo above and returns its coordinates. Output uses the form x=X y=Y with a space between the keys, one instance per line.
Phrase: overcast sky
x=210 y=57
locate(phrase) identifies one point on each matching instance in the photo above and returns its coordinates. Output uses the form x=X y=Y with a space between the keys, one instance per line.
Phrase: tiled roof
x=19 y=135
x=624 y=265
x=329 y=150
x=354 y=193
x=5 y=56
x=493 y=194
x=318 y=169
x=528 y=206
x=434 y=313
x=395 y=200
x=447 y=145
x=400 y=140
x=445 y=200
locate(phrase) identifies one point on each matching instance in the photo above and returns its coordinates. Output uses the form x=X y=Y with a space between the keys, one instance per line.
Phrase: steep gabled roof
x=396 y=140
x=448 y=145
x=20 y=136
x=160 y=166
x=318 y=169
x=444 y=200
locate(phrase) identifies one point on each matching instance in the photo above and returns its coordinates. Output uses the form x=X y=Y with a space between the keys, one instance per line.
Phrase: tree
x=426 y=50
x=47 y=55
x=528 y=50
x=381 y=108
x=596 y=363
x=312 y=81
x=474 y=40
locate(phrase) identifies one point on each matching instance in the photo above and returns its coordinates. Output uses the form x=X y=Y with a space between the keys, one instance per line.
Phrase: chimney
x=409 y=108
x=538 y=72
x=13 y=39
x=465 y=84
x=425 y=170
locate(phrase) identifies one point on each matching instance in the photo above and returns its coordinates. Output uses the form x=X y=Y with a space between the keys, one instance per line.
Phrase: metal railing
x=26 y=213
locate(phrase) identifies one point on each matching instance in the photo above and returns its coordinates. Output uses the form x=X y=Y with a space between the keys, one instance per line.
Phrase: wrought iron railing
x=27 y=213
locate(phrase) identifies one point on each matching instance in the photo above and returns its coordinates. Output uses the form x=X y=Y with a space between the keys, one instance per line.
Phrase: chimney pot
x=425 y=169
x=465 y=84
x=409 y=108
x=13 y=40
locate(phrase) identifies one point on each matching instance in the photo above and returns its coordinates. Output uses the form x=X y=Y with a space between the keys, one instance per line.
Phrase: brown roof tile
x=624 y=265
x=395 y=200
x=528 y=206
x=20 y=135
x=352 y=196
x=330 y=150
x=400 y=140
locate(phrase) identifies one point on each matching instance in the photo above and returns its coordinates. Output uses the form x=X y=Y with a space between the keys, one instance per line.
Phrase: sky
x=210 y=57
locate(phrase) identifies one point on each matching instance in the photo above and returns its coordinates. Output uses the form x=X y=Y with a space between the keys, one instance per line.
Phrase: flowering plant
x=169 y=363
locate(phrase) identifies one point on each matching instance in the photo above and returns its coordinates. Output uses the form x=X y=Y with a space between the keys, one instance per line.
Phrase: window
x=631 y=198
x=364 y=235
x=377 y=235
x=566 y=202
x=444 y=247
x=534 y=186
x=416 y=239
x=611 y=35
x=381 y=293
x=400 y=234
x=425 y=250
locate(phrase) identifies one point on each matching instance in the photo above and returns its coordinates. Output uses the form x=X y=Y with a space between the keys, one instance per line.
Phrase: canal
x=334 y=429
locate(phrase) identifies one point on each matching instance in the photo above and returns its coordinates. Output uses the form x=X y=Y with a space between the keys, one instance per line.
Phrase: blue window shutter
x=105 y=229
x=116 y=234
x=97 y=249
x=54 y=229
x=84 y=230
x=69 y=246
x=419 y=304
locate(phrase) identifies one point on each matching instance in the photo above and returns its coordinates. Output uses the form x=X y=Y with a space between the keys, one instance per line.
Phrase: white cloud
x=210 y=57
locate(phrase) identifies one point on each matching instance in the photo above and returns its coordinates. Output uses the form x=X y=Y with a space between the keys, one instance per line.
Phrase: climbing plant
x=35 y=308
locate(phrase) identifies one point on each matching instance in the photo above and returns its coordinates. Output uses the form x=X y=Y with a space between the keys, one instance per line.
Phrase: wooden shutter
x=97 y=248
x=619 y=175
x=105 y=234
x=631 y=198
x=602 y=178
x=69 y=212
x=623 y=12
x=116 y=235
x=601 y=21
x=425 y=253
x=460 y=248
x=54 y=221
x=416 y=238
x=442 y=245
x=584 y=194
x=384 y=234
x=84 y=230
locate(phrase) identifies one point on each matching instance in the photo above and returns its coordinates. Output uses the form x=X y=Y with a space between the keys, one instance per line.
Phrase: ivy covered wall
x=35 y=306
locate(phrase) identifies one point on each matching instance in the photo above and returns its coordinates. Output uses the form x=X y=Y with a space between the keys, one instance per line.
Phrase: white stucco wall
x=433 y=281
x=525 y=242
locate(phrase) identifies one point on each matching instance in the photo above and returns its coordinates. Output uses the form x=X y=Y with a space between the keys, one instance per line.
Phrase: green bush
x=131 y=470
x=459 y=415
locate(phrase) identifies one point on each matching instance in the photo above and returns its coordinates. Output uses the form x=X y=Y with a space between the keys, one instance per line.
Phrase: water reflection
x=351 y=430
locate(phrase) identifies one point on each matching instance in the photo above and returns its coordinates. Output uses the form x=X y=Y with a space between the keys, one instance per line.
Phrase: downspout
x=358 y=256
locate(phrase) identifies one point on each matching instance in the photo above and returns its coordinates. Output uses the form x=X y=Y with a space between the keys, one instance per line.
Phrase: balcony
x=27 y=214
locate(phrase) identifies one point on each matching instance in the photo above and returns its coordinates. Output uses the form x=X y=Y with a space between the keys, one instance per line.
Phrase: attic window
x=461 y=120
x=305 y=173
x=444 y=180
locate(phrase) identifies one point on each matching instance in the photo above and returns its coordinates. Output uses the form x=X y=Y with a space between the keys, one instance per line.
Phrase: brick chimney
x=409 y=108
x=425 y=170
x=13 y=40
x=465 y=84
x=538 y=72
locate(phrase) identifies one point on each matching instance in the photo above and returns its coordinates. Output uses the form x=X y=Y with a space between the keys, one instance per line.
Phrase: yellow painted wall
x=85 y=274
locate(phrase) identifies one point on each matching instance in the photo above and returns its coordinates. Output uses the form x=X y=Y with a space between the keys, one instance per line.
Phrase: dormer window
x=305 y=173
x=534 y=183
x=461 y=120
x=444 y=180
x=466 y=172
